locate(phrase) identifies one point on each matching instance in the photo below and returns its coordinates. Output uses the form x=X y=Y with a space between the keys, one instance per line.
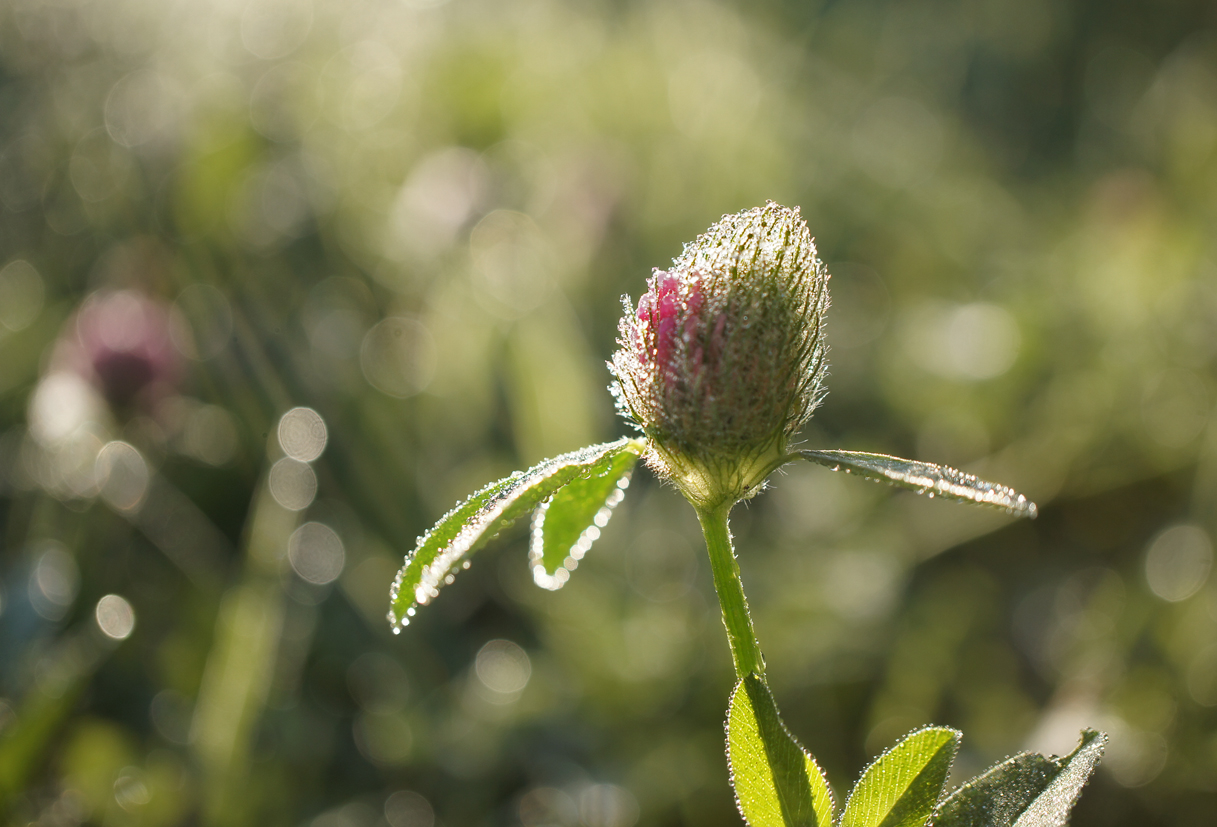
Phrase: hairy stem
x=745 y=652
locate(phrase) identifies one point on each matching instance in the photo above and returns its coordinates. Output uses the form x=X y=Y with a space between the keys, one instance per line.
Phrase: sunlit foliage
x=406 y=225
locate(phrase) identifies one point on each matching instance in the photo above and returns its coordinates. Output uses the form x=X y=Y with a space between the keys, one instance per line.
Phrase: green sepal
x=777 y=782
x=474 y=522
x=902 y=786
x=565 y=526
x=1028 y=790
x=926 y=478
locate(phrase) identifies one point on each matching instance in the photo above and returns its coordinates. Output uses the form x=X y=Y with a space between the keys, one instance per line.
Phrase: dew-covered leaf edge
x=1084 y=758
x=943 y=754
x=999 y=795
x=474 y=521
x=565 y=525
x=926 y=478
x=820 y=801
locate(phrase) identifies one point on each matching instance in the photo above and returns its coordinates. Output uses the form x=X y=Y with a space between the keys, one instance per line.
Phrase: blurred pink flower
x=120 y=342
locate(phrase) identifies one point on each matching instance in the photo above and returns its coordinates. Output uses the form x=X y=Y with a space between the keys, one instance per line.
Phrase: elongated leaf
x=470 y=525
x=1028 y=790
x=565 y=526
x=926 y=478
x=777 y=783
x=902 y=786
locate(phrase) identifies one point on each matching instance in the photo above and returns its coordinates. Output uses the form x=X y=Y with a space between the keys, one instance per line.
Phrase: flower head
x=724 y=357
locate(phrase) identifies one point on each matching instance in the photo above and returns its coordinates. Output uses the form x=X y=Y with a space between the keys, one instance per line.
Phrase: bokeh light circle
x=293 y=484
x=398 y=357
x=115 y=617
x=302 y=434
x=503 y=667
x=1178 y=562
x=316 y=553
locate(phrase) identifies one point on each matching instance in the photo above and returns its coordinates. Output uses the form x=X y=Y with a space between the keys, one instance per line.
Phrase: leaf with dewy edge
x=472 y=524
x=926 y=478
x=1028 y=790
x=565 y=526
x=777 y=783
x=902 y=786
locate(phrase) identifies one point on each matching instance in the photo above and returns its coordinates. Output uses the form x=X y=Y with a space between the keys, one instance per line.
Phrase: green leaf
x=1028 y=790
x=474 y=522
x=926 y=478
x=902 y=786
x=565 y=526
x=1000 y=795
x=777 y=783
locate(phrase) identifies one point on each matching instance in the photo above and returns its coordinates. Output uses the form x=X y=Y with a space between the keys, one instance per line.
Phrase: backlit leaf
x=777 y=783
x=926 y=478
x=565 y=526
x=469 y=526
x=1000 y=795
x=902 y=786
x=1028 y=790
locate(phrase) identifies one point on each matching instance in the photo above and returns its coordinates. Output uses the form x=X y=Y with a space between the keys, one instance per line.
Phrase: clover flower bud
x=723 y=359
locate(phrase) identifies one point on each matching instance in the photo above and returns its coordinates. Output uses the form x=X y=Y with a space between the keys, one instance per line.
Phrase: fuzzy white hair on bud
x=723 y=359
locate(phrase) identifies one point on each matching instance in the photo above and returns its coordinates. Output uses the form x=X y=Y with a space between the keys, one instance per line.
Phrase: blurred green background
x=413 y=219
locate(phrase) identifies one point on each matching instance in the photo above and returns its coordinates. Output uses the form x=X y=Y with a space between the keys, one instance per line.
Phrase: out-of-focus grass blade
x=475 y=521
x=1028 y=790
x=902 y=786
x=926 y=478
x=777 y=783
x=565 y=526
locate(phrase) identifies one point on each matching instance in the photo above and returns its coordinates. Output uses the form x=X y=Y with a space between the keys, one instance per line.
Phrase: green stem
x=745 y=651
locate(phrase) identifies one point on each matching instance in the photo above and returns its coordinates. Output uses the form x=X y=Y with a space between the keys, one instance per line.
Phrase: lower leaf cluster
x=779 y=784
